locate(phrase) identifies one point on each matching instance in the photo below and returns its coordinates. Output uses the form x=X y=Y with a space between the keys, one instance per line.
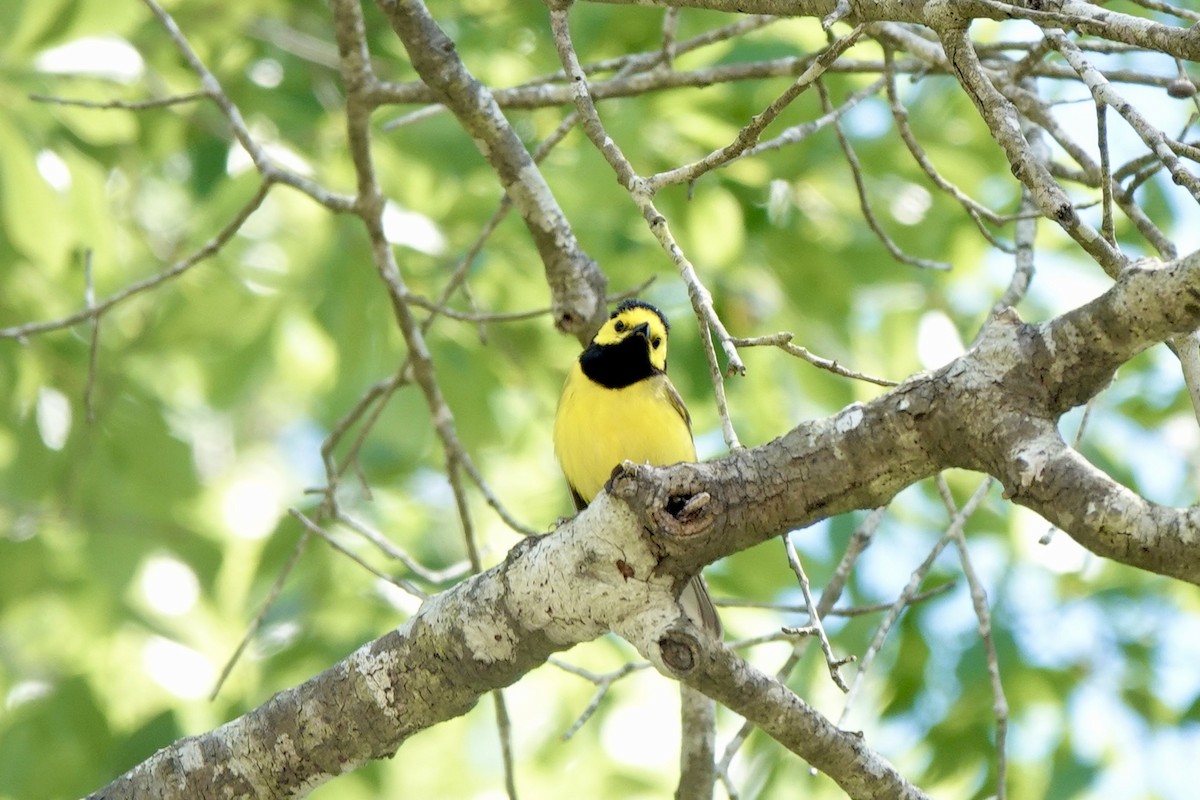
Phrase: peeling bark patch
x=376 y=669
x=677 y=654
x=190 y=755
x=1192 y=309
x=486 y=634
x=849 y=418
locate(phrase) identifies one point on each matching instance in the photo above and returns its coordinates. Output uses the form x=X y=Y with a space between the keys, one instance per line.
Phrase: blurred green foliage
x=136 y=548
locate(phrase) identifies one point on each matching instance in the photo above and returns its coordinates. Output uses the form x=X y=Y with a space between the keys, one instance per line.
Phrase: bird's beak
x=642 y=330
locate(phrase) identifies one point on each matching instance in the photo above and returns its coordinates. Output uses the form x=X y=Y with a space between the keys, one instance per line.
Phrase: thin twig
x=208 y=249
x=89 y=299
x=798 y=133
x=670 y=31
x=748 y=136
x=864 y=202
x=1024 y=236
x=802 y=608
x=783 y=340
x=1038 y=113
x=211 y=88
x=504 y=727
x=983 y=615
x=1159 y=143
x=1003 y=121
x=256 y=623
x=313 y=527
x=906 y=595
x=814 y=618
x=859 y=541
x=379 y=394
x=434 y=577
x=697 y=292
x=128 y=105
x=1167 y=8
x=603 y=684
x=975 y=210
x=1107 y=229
x=717 y=380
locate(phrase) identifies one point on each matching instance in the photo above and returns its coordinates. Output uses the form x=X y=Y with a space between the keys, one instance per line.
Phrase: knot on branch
x=1181 y=88
x=679 y=650
x=944 y=15
x=673 y=502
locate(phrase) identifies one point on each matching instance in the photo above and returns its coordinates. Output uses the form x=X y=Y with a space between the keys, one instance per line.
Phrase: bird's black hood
x=616 y=366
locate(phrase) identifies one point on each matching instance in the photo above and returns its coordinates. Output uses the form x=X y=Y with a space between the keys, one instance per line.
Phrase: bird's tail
x=698 y=605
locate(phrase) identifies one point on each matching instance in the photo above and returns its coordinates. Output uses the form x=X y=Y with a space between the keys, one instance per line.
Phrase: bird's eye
x=619 y=326
x=656 y=341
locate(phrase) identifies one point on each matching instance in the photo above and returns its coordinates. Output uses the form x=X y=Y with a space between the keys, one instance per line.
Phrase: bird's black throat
x=616 y=366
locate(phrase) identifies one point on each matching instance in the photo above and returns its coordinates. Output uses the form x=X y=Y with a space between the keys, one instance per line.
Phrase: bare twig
x=258 y=154
x=1024 y=236
x=799 y=133
x=909 y=591
x=369 y=206
x=864 y=202
x=603 y=684
x=268 y=601
x=983 y=615
x=697 y=292
x=1106 y=226
x=314 y=528
x=577 y=285
x=128 y=105
x=210 y=248
x=975 y=210
x=783 y=340
x=1161 y=145
x=89 y=299
x=859 y=542
x=434 y=577
x=814 y=625
x=748 y=136
x=504 y=726
x=1002 y=120
x=802 y=608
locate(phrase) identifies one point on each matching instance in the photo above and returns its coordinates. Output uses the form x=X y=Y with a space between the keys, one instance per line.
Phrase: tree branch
x=992 y=410
x=843 y=755
x=620 y=564
x=577 y=286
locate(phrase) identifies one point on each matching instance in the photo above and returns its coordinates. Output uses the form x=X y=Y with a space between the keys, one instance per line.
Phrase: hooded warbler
x=618 y=405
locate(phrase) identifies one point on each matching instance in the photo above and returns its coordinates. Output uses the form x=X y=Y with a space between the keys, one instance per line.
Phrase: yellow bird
x=618 y=405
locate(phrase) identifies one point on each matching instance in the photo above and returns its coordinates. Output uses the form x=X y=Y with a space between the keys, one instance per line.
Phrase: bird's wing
x=698 y=605
x=580 y=503
x=677 y=402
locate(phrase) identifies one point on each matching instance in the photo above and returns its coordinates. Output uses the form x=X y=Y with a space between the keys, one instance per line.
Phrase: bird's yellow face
x=637 y=319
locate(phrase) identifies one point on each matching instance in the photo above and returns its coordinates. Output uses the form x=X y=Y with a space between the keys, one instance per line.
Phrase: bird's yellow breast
x=597 y=428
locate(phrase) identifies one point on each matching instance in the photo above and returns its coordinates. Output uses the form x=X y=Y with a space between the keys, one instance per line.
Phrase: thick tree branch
x=436 y=666
x=1002 y=120
x=485 y=633
x=620 y=563
x=1104 y=516
x=577 y=285
x=990 y=410
x=1077 y=15
x=843 y=755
